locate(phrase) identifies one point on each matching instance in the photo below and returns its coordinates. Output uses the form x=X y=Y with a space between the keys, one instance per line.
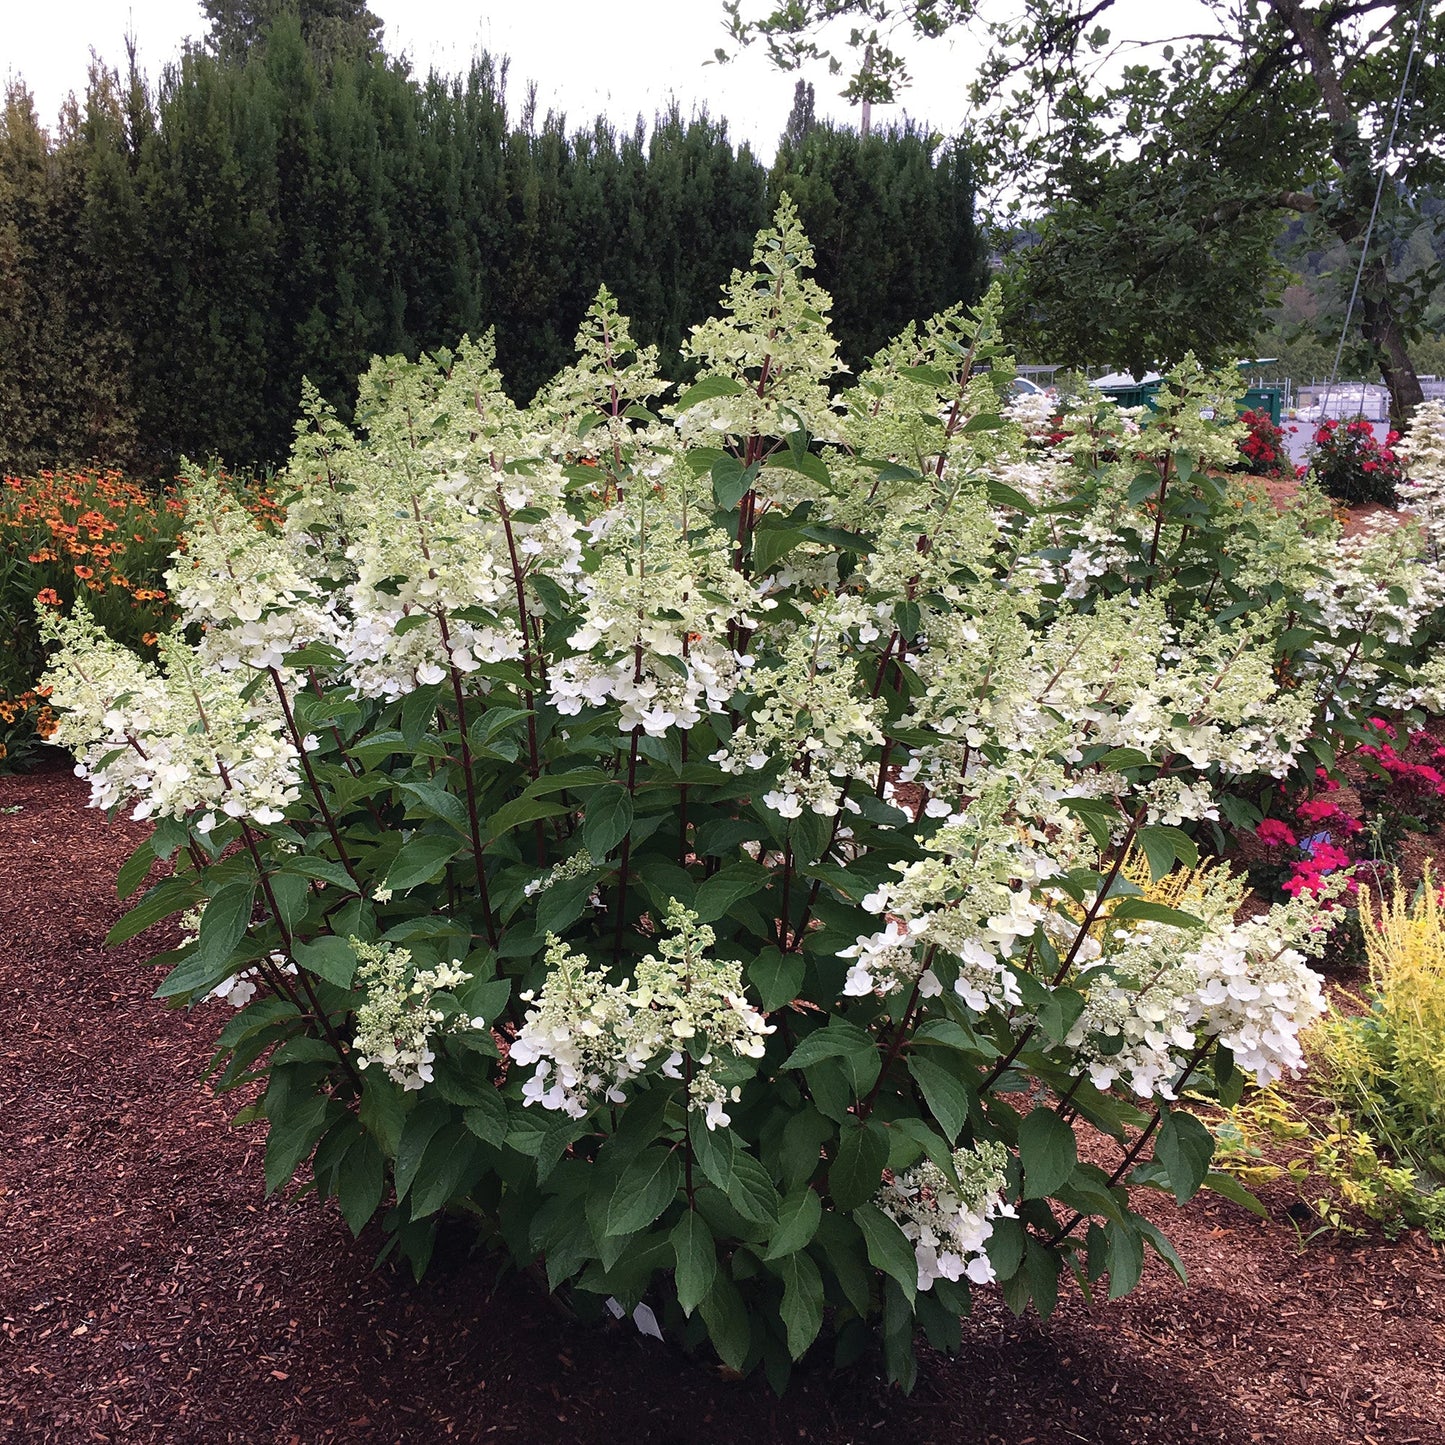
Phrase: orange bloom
x=84 y=573
x=48 y=597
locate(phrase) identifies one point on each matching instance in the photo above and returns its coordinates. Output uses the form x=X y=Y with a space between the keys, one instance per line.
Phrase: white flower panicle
x=888 y=962
x=772 y=350
x=175 y=742
x=811 y=726
x=253 y=595
x=398 y=1020
x=662 y=617
x=948 y=1224
x=685 y=1018
x=1423 y=491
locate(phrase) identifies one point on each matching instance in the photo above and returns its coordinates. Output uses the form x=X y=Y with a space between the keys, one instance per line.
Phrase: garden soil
x=150 y=1293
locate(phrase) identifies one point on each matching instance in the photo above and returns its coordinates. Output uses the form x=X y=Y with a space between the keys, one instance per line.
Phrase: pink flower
x=1301 y=882
x=1325 y=858
x=1275 y=834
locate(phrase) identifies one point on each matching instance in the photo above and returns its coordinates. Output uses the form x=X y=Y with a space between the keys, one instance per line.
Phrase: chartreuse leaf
x=696 y=1252
x=1047 y=1152
x=1184 y=1147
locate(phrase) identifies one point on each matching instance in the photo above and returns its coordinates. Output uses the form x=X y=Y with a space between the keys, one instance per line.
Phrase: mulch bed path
x=148 y=1292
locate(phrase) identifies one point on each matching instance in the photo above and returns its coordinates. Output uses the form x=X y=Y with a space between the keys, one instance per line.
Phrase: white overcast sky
x=622 y=58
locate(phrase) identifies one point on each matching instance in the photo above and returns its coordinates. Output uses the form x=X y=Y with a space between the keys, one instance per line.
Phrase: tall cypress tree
x=171 y=268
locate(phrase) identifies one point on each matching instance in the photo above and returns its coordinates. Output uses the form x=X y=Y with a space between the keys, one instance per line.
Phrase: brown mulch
x=1357 y=519
x=148 y=1292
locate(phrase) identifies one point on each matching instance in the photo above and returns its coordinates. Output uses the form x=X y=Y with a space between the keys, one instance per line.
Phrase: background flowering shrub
x=1352 y=466
x=1374 y=1149
x=723 y=844
x=1263 y=449
x=85 y=535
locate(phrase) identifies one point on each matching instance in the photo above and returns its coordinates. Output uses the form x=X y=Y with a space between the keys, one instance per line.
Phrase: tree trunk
x=1358 y=175
x=1383 y=331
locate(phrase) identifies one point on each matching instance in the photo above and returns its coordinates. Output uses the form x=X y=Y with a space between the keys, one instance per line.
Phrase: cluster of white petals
x=811 y=725
x=398 y=1020
x=949 y=1224
x=662 y=617
x=1256 y=992
x=684 y=1017
x=1423 y=490
x=179 y=741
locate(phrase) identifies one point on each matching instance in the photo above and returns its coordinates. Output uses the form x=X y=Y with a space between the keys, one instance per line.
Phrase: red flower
x=1275 y=834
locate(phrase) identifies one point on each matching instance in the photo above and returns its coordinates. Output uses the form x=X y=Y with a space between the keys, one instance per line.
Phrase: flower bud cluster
x=811 y=725
x=773 y=344
x=685 y=1017
x=176 y=742
x=398 y=1020
x=660 y=620
x=949 y=1224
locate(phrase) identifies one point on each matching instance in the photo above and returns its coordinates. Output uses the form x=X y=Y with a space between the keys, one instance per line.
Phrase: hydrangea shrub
x=723 y=843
